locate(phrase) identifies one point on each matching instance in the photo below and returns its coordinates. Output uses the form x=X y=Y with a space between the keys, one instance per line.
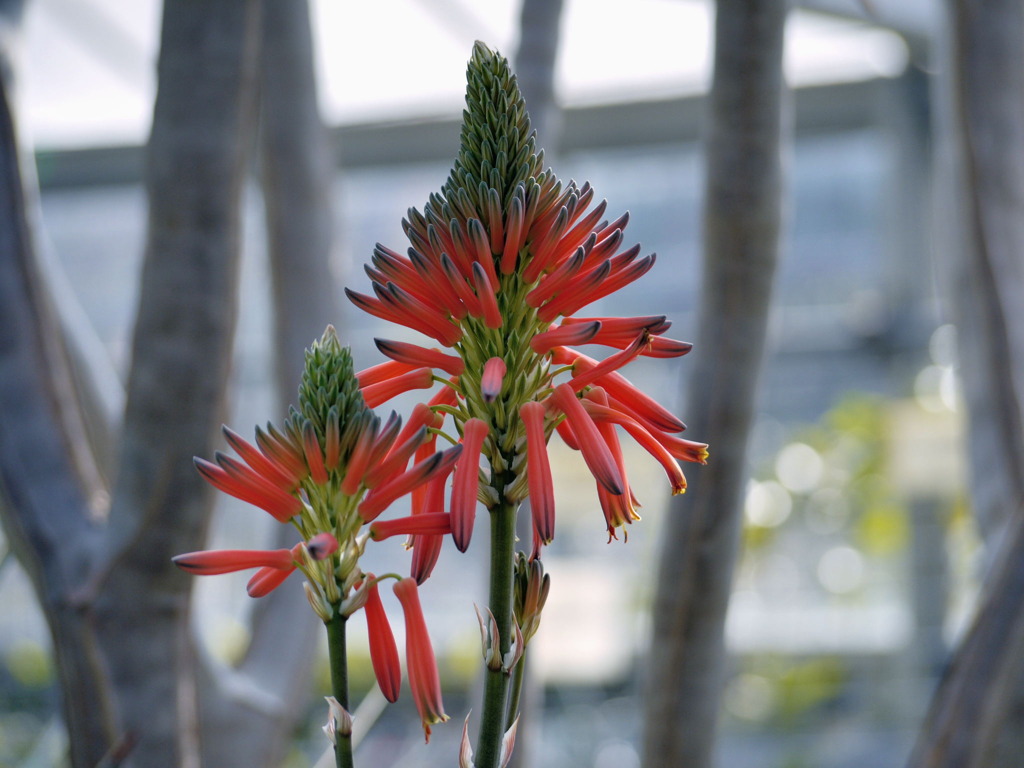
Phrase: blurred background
x=860 y=558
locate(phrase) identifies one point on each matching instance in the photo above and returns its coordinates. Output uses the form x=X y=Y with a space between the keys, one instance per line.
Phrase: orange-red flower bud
x=236 y=479
x=424 y=524
x=538 y=468
x=266 y=580
x=387 y=667
x=381 y=497
x=217 y=561
x=414 y=355
x=418 y=378
x=466 y=483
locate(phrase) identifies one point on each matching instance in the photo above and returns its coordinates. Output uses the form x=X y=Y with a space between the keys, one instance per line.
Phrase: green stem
x=503 y=538
x=339 y=684
x=518 y=675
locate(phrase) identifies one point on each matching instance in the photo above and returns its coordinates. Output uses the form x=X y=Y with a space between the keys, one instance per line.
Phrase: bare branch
x=49 y=489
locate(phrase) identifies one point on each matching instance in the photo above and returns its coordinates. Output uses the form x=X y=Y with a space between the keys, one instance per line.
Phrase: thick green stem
x=339 y=684
x=492 y=724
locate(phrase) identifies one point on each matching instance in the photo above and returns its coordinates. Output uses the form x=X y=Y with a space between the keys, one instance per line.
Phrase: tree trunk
x=977 y=715
x=742 y=222
x=50 y=489
x=250 y=713
x=539 y=25
x=181 y=356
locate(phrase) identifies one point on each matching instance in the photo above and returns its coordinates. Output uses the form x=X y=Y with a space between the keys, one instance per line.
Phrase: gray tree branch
x=976 y=717
x=253 y=710
x=742 y=221
x=539 y=27
x=181 y=355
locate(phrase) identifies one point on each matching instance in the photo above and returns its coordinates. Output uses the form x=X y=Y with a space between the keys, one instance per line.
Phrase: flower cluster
x=330 y=472
x=501 y=262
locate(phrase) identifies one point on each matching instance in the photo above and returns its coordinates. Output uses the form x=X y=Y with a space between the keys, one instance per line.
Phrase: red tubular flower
x=282 y=449
x=235 y=479
x=423 y=524
x=321 y=546
x=413 y=355
x=280 y=475
x=419 y=494
x=457 y=283
x=618 y=276
x=387 y=667
x=595 y=452
x=579 y=234
x=661 y=347
x=386 y=437
x=381 y=497
x=332 y=441
x=550 y=284
x=515 y=236
x=213 y=562
x=618 y=508
x=565 y=432
x=544 y=245
x=567 y=334
x=266 y=580
x=609 y=364
x=392 y=267
x=376 y=374
x=359 y=460
x=466 y=483
x=435 y=323
x=684 y=450
x=624 y=328
x=424 y=681
x=397 y=458
x=426 y=548
x=488 y=300
x=618 y=511
x=538 y=469
x=603 y=414
x=418 y=378
x=492 y=379
x=620 y=388
x=314 y=455
x=580 y=285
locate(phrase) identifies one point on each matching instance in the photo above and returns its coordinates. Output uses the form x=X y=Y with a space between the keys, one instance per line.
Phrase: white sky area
x=88 y=74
